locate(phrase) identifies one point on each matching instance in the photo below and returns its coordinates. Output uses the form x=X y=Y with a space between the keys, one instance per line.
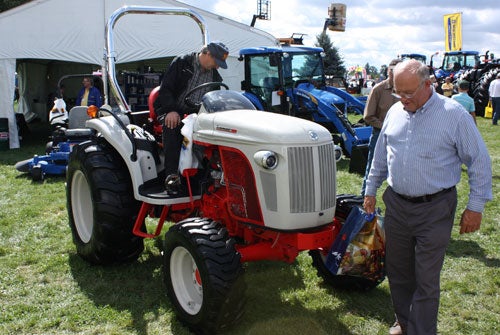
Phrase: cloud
x=376 y=31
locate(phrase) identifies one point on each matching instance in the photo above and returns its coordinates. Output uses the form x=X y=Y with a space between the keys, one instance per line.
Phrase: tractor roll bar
x=110 y=50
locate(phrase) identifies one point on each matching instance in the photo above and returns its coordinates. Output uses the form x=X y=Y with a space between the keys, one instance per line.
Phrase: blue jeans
x=371 y=149
x=495 y=103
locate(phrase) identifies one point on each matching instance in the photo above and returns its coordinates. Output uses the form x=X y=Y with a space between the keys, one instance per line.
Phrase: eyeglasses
x=400 y=95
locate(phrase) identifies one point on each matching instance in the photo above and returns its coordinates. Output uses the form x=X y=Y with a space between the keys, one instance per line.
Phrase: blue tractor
x=291 y=80
x=421 y=58
x=67 y=132
x=455 y=63
x=479 y=70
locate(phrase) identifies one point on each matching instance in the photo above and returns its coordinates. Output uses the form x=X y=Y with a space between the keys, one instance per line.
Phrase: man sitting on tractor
x=184 y=73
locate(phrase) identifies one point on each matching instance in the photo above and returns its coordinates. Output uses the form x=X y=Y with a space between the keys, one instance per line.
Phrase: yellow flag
x=453 y=32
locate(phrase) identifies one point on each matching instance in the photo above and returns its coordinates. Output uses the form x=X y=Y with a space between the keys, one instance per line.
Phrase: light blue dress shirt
x=422 y=153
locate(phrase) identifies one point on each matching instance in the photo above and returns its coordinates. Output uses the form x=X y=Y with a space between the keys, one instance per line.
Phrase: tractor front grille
x=311 y=173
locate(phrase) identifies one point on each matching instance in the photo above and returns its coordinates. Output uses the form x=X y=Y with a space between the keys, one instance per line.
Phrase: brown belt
x=424 y=198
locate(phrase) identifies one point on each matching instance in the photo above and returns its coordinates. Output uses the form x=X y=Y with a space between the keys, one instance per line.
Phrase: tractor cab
x=456 y=62
x=271 y=74
x=421 y=58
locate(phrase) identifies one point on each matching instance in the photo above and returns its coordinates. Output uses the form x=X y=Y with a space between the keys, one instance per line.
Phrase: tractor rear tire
x=101 y=204
x=480 y=90
x=203 y=275
x=339 y=281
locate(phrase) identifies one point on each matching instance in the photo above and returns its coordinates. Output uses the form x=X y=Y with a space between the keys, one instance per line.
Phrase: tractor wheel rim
x=186 y=280
x=82 y=207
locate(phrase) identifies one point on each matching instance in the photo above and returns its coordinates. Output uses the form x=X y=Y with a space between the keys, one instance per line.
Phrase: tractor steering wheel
x=191 y=103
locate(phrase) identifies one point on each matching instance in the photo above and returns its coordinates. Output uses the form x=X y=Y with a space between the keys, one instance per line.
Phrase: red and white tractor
x=264 y=189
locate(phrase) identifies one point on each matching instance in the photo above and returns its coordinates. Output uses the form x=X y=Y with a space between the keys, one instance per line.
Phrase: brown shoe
x=395 y=329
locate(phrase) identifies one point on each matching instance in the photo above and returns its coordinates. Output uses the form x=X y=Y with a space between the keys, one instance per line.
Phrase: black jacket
x=175 y=81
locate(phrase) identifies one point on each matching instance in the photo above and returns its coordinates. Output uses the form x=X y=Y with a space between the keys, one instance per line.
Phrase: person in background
x=464 y=99
x=88 y=95
x=423 y=143
x=184 y=73
x=379 y=101
x=447 y=87
x=494 y=91
x=435 y=84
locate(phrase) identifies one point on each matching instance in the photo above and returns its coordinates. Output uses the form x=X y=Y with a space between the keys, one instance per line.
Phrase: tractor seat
x=157 y=127
x=77 y=117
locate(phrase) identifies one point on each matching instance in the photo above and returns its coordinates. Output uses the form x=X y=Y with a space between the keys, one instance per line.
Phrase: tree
x=373 y=72
x=334 y=64
x=367 y=69
x=383 y=71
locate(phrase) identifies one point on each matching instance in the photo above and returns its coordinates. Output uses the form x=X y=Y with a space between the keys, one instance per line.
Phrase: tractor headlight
x=338 y=153
x=266 y=159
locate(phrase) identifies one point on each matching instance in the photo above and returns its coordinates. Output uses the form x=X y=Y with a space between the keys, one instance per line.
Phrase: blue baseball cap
x=220 y=52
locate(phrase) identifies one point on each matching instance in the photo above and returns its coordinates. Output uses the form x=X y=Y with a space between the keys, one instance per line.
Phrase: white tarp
x=74 y=31
x=7 y=84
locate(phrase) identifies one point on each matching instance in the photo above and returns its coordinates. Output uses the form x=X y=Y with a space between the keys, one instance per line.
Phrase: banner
x=453 y=32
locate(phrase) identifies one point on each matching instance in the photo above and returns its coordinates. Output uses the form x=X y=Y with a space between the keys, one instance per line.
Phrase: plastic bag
x=58 y=115
x=186 y=159
x=359 y=249
x=488 y=111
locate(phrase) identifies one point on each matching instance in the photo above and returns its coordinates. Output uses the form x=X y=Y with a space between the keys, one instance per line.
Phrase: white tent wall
x=7 y=85
x=57 y=30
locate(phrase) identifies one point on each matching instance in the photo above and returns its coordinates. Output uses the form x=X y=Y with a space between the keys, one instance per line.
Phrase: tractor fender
x=145 y=166
x=255 y=101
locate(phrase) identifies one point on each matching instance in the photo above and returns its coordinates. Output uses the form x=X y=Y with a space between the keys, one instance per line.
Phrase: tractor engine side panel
x=242 y=200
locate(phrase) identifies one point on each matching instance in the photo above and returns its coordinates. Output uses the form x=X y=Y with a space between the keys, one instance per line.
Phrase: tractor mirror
x=274 y=60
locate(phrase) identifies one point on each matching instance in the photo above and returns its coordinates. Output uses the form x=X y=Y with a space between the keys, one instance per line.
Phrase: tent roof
x=70 y=30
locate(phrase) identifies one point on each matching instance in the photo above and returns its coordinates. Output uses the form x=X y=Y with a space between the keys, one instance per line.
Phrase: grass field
x=45 y=288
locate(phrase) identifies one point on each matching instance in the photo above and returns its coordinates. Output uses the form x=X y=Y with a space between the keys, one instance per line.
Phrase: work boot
x=173 y=184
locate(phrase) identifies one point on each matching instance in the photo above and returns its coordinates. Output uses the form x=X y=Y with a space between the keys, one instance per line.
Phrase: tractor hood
x=308 y=91
x=253 y=126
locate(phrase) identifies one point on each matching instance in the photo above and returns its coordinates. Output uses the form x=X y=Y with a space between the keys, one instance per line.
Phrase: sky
x=376 y=30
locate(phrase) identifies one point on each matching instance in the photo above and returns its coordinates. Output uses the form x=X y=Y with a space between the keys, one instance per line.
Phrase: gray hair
x=414 y=67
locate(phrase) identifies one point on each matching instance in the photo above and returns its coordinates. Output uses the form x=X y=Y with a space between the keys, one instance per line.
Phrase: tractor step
x=158 y=192
x=191 y=189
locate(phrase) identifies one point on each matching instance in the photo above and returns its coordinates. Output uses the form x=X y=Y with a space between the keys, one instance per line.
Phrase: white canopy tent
x=51 y=38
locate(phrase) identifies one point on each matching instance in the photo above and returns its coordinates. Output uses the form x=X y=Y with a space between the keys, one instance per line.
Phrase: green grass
x=45 y=288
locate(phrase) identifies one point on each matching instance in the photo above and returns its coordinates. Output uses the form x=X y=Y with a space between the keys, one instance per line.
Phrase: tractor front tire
x=37 y=173
x=101 y=204
x=203 y=275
